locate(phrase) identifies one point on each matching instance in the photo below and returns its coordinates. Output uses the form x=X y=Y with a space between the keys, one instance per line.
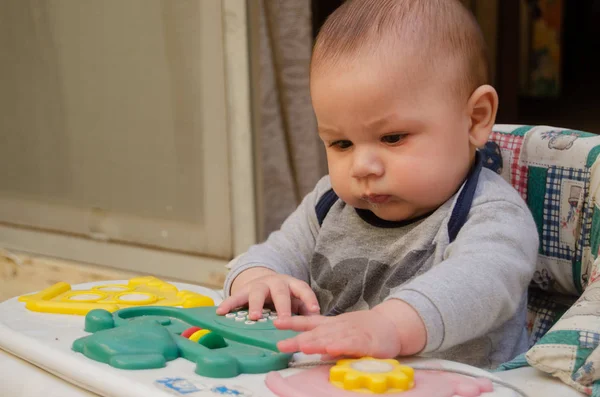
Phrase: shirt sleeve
x=482 y=279
x=289 y=249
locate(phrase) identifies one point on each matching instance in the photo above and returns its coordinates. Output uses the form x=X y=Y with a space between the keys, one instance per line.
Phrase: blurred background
x=165 y=136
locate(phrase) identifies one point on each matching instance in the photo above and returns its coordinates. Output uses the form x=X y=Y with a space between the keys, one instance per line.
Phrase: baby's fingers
x=280 y=295
x=314 y=341
x=256 y=300
x=302 y=291
x=237 y=300
x=300 y=323
x=330 y=337
x=300 y=308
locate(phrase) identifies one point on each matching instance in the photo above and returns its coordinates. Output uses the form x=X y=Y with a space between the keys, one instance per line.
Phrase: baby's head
x=399 y=88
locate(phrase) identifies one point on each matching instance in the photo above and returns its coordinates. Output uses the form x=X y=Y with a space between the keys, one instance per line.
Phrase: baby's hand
x=287 y=294
x=388 y=330
x=357 y=334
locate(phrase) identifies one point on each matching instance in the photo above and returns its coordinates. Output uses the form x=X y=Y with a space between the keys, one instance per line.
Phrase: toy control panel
x=148 y=337
x=226 y=346
x=145 y=323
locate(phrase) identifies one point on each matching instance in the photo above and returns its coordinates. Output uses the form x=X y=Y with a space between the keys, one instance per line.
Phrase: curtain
x=290 y=156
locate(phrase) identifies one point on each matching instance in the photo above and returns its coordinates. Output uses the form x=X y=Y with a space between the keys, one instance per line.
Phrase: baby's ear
x=482 y=108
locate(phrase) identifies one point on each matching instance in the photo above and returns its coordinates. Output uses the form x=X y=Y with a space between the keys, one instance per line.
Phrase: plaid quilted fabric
x=586 y=227
x=541 y=324
x=551 y=244
x=542 y=313
x=561 y=179
x=589 y=340
x=570 y=350
x=518 y=173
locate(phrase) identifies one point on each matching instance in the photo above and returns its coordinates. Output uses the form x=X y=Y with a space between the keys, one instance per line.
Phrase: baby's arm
x=476 y=289
x=482 y=280
x=277 y=270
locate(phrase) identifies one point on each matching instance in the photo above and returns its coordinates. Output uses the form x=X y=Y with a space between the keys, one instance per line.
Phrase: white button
x=242 y=313
x=272 y=317
x=266 y=311
x=262 y=320
x=250 y=322
x=230 y=315
x=240 y=319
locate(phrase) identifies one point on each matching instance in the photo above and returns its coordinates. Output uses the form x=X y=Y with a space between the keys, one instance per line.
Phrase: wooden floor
x=22 y=274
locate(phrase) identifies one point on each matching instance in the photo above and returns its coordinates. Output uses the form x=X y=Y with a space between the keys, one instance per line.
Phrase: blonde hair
x=433 y=32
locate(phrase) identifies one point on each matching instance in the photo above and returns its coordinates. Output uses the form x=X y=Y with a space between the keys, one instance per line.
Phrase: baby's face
x=397 y=141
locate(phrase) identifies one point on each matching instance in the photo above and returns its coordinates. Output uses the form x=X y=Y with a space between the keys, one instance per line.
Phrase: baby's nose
x=366 y=163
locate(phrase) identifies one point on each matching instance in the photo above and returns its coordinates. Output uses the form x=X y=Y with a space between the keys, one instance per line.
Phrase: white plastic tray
x=45 y=340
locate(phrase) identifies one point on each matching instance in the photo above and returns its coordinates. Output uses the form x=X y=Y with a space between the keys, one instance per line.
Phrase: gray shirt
x=466 y=279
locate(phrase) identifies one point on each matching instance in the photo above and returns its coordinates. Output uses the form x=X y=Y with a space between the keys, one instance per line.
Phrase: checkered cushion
x=510 y=146
x=555 y=171
x=570 y=349
x=589 y=340
x=553 y=219
x=543 y=310
x=552 y=170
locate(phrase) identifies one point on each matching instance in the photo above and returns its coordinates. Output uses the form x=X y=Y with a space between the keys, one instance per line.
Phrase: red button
x=188 y=332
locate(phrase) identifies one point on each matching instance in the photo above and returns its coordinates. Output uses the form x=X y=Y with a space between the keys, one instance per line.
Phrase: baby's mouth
x=376 y=198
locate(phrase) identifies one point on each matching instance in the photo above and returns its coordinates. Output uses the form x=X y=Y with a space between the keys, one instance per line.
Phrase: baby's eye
x=341 y=144
x=392 y=138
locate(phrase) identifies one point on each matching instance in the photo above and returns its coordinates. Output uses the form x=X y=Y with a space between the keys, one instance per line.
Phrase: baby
x=408 y=246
